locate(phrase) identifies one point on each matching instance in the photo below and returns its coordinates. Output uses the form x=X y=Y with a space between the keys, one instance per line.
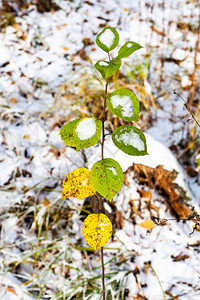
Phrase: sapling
x=106 y=176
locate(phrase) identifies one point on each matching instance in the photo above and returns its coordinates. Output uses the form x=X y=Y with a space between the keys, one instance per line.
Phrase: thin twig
x=103 y=281
x=100 y=202
x=187 y=107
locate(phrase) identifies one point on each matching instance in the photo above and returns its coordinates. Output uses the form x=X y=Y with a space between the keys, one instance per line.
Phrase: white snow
x=131 y=139
x=129 y=44
x=9 y=230
x=186 y=82
x=45 y=64
x=125 y=103
x=103 y=63
x=84 y=182
x=86 y=129
x=113 y=170
x=179 y=54
x=148 y=87
x=107 y=38
x=11 y=289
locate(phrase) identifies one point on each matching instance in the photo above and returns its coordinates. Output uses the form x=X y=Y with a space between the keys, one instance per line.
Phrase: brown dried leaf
x=180 y=257
x=163 y=180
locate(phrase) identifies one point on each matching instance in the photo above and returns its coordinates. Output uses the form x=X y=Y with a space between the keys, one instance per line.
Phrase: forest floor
x=47 y=78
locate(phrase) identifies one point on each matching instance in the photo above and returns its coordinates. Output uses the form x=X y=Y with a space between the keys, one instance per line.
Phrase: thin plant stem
x=163 y=292
x=103 y=119
x=187 y=107
x=100 y=198
x=103 y=280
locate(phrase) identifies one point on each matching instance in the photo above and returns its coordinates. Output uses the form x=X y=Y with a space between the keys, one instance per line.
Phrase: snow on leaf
x=86 y=128
x=107 y=39
x=78 y=184
x=66 y=133
x=107 y=69
x=87 y=132
x=130 y=140
x=124 y=104
x=107 y=177
x=97 y=229
x=127 y=49
x=148 y=224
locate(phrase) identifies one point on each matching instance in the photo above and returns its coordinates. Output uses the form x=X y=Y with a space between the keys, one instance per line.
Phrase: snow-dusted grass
x=44 y=83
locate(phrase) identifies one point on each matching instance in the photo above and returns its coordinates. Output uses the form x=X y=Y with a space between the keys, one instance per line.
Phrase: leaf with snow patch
x=66 y=133
x=127 y=49
x=87 y=132
x=107 y=69
x=124 y=104
x=97 y=229
x=107 y=177
x=130 y=140
x=107 y=39
x=148 y=224
x=78 y=184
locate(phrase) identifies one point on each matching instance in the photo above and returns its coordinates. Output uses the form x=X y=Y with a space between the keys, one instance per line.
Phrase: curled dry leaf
x=78 y=184
x=97 y=229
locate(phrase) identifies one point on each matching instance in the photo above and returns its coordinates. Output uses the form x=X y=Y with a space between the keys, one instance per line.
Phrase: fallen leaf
x=163 y=180
x=145 y=194
x=180 y=257
x=147 y=224
x=26 y=136
x=13 y=100
x=12 y=291
x=46 y=202
x=20 y=32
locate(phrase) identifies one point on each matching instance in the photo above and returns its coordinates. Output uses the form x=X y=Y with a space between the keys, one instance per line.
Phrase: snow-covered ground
x=44 y=59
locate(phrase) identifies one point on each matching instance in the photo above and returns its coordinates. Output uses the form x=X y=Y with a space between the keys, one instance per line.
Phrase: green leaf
x=87 y=132
x=66 y=133
x=127 y=49
x=124 y=104
x=107 y=177
x=130 y=140
x=107 y=39
x=107 y=69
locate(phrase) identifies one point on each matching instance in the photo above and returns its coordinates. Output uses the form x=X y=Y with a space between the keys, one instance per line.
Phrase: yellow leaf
x=26 y=136
x=13 y=100
x=78 y=184
x=191 y=145
x=148 y=224
x=19 y=31
x=97 y=229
